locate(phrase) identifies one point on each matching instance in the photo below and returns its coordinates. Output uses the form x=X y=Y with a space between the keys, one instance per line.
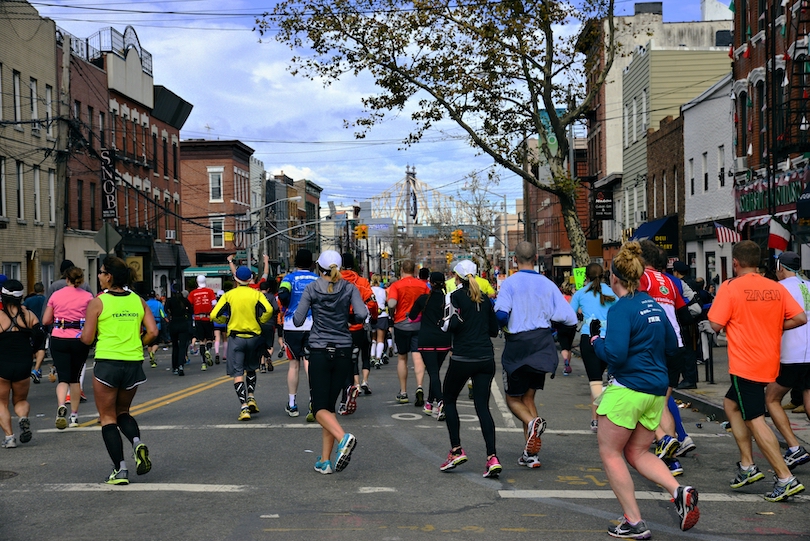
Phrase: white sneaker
x=530 y=461
x=74 y=421
x=687 y=445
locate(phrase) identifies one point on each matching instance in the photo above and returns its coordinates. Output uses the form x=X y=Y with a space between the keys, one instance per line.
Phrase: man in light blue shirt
x=527 y=305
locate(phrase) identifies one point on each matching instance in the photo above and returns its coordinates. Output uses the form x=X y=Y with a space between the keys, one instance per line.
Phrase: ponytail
x=595 y=274
x=334 y=276
x=475 y=291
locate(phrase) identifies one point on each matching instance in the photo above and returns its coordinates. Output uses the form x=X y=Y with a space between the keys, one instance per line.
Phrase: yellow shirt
x=241 y=308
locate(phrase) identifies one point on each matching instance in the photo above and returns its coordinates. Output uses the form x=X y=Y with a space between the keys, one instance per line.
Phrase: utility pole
x=62 y=154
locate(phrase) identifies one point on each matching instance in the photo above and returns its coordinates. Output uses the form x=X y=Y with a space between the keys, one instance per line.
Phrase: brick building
x=665 y=187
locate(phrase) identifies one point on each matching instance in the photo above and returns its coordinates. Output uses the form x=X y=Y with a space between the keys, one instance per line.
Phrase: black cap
x=348 y=260
x=152 y=294
x=303 y=259
x=681 y=268
x=790 y=261
x=437 y=277
x=66 y=264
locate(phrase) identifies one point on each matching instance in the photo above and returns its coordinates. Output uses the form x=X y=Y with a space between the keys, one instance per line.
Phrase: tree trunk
x=576 y=236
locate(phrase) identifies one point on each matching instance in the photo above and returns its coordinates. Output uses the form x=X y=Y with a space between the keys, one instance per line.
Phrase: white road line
x=374 y=490
x=640 y=495
x=508 y=418
x=136 y=487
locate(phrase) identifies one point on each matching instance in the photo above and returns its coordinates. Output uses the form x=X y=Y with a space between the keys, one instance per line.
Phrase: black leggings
x=180 y=335
x=69 y=356
x=594 y=366
x=328 y=371
x=457 y=375
x=433 y=363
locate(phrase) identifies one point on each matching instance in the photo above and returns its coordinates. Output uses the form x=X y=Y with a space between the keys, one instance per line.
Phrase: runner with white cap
x=203 y=300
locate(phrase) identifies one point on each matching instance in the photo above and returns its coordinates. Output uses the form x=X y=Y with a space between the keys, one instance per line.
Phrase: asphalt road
x=214 y=478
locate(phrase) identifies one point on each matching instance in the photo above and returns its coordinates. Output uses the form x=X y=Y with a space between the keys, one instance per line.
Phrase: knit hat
x=303 y=259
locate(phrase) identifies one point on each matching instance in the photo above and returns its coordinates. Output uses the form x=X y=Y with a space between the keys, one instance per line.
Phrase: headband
x=12 y=293
x=616 y=272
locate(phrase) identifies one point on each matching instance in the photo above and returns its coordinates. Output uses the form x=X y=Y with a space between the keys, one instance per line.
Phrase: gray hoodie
x=330 y=312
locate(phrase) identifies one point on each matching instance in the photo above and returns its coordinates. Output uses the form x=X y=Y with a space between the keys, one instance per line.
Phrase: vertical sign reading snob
x=109 y=206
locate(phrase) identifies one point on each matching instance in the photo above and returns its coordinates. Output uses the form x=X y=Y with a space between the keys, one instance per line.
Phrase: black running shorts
x=749 y=396
x=523 y=379
x=794 y=375
x=119 y=374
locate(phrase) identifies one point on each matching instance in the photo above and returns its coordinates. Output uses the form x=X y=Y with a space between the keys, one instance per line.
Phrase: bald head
x=525 y=252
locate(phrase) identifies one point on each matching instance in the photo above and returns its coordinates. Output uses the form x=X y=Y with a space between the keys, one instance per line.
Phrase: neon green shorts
x=628 y=408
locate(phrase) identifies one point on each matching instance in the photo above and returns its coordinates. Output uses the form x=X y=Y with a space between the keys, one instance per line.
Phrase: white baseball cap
x=200 y=280
x=465 y=267
x=329 y=258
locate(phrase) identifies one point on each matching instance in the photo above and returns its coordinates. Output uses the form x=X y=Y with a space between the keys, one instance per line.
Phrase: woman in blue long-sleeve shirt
x=638 y=337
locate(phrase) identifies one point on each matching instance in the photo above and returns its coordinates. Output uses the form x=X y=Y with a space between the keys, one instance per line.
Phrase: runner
x=593 y=301
x=220 y=335
x=631 y=406
x=66 y=311
x=330 y=299
x=203 y=299
x=296 y=337
x=269 y=288
x=527 y=306
x=156 y=307
x=794 y=368
x=470 y=319
x=754 y=311
x=21 y=336
x=180 y=313
x=401 y=296
x=114 y=322
x=434 y=344
x=378 y=331
x=245 y=309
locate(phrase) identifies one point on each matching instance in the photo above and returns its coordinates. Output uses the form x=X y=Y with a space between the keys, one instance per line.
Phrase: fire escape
x=796 y=135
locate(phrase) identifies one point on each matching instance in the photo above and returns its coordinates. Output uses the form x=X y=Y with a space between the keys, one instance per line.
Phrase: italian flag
x=778 y=237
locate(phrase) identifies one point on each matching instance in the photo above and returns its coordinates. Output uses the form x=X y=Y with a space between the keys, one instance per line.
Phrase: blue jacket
x=638 y=339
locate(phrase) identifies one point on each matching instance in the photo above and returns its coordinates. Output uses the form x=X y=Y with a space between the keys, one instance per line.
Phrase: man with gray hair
x=527 y=306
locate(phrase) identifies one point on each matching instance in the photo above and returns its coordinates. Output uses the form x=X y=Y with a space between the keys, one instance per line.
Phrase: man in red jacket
x=360 y=339
x=203 y=300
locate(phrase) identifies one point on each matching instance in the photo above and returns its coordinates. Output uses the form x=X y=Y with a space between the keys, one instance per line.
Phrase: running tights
x=433 y=363
x=115 y=447
x=676 y=414
x=481 y=372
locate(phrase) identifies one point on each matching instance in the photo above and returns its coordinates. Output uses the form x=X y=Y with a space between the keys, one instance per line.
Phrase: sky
x=207 y=52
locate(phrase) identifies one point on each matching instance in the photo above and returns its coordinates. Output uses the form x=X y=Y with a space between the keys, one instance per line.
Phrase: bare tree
x=500 y=70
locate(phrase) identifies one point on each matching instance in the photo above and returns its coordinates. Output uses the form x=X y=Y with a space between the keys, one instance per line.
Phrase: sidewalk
x=708 y=397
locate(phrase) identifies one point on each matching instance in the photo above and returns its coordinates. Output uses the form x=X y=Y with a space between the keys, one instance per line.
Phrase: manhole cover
x=7 y=475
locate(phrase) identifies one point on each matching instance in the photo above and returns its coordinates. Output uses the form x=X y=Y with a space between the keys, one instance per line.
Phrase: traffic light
x=385 y=255
x=460 y=236
x=358 y=231
x=363 y=231
x=454 y=236
x=449 y=257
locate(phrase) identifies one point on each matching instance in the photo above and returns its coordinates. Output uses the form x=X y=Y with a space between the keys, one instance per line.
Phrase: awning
x=213 y=270
x=167 y=256
x=663 y=232
x=648 y=230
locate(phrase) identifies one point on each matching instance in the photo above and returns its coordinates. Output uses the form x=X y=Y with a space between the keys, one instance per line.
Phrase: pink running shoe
x=493 y=468
x=351 y=399
x=567 y=369
x=454 y=458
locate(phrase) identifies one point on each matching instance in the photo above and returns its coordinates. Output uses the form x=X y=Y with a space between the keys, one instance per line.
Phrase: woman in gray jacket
x=330 y=361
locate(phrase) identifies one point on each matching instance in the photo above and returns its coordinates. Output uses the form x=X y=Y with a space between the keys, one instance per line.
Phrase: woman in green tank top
x=114 y=321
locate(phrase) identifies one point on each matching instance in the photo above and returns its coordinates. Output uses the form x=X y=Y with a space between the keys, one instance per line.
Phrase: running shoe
x=530 y=461
x=351 y=399
x=118 y=477
x=792 y=459
x=292 y=411
x=674 y=466
x=799 y=409
x=82 y=398
x=280 y=355
x=439 y=409
x=402 y=398
x=685 y=446
x=567 y=370
x=454 y=458
x=666 y=447
x=181 y=371
x=384 y=359
x=746 y=476
x=194 y=349
x=344 y=452
x=143 y=464
x=493 y=468
x=420 y=398
x=244 y=414
x=270 y=366
x=469 y=391
x=216 y=359
x=375 y=362
x=789 y=406
x=251 y=404
x=36 y=375
x=263 y=369
x=61 y=422
x=152 y=362
x=74 y=421
x=204 y=367
x=594 y=425
x=782 y=491
x=536 y=428
x=625 y=530
x=323 y=466
x=686 y=499
x=208 y=359
x=9 y=442
x=67 y=398
x=366 y=389
x=428 y=409
x=342 y=409
x=310 y=415
x=25 y=430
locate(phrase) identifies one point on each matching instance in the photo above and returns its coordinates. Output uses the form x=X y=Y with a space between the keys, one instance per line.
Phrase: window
x=17 y=104
x=644 y=109
x=742 y=103
x=761 y=9
x=761 y=117
x=664 y=190
x=102 y=136
x=47 y=274
x=37 y=197
x=174 y=160
x=721 y=164
x=705 y=171
x=20 y=192
x=146 y=211
x=691 y=176
x=134 y=139
x=675 y=184
x=177 y=220
x=112 y=128
x=93 y=206
x=67 y=199
x=79 y=204
x=3 y=185
x=51 y=195
x=165 y=158
x=11 y=270
x=154 y=153
x=626 y=126
x=124 y=134
x=32 y=87
x=77 y=110
x=215 y=183
x=217 y=233
x=48 y=110
x=91 y=135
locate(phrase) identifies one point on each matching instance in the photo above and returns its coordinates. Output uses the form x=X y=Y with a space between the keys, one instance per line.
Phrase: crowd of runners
x=637 y=324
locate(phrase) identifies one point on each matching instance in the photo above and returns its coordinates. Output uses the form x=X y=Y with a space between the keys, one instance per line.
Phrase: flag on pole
x=778 y=237
x=725 y=234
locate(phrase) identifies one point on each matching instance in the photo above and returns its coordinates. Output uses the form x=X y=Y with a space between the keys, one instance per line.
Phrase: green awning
x=213 y=270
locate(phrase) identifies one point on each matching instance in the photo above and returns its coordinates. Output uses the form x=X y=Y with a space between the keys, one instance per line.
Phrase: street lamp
x=249 y=245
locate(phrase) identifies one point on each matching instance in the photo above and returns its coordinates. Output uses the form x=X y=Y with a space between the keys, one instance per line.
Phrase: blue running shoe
x=344 y=452
x=323 y=466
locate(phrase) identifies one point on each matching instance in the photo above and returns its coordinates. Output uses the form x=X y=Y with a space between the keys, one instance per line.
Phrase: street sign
x=107 y=237
x=241 y=254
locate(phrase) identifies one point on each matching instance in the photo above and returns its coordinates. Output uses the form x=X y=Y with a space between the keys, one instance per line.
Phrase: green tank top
x=119 y=328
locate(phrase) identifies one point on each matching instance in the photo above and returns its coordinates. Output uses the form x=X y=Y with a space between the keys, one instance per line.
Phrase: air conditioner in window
x=546 y=202
x=640 y=216
x=547 y=245
x=171 y=234
x=741 y=163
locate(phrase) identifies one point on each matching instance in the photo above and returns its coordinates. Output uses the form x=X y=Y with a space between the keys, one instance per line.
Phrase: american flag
x=725 y=234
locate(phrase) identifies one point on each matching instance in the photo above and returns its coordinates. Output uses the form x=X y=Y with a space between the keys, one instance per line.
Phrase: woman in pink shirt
x=66 y=310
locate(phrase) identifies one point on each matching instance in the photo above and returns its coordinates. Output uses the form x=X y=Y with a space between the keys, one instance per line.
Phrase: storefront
x=663 y=232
